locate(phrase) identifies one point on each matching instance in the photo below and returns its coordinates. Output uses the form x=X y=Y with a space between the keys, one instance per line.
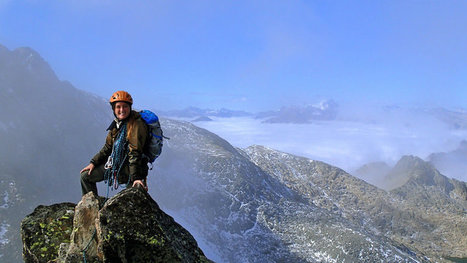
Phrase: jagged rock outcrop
x=130 y=227
x=84 y=230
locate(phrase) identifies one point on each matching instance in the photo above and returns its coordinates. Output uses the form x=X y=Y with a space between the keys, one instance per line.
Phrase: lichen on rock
x=45 y=229
x=130 y=227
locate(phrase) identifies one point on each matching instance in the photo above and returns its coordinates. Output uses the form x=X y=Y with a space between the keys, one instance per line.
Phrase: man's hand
x=88 y=168
x=140 y=183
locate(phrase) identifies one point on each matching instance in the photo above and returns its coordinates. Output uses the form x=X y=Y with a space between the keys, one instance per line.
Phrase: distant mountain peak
x=25 y=61
x=34 y=62
x=411 y=168
x=407 y=161
x=326 y=104
x=412 y=172
x=195 y=112
x=3 y=49
x=27 y=52
x=324 y=110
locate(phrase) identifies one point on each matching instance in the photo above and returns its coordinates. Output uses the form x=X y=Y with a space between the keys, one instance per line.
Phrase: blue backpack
x=154 y=146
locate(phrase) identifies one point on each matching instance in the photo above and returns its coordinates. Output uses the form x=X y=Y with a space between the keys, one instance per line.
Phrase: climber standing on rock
x=121 y=159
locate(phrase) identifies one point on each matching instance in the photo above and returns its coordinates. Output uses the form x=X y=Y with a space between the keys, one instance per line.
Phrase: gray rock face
x=130 y=227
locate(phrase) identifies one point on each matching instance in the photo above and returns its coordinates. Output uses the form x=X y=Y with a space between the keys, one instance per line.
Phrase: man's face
x=122 y=110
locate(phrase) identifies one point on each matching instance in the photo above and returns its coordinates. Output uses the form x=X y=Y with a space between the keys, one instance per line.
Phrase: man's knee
x=85 y=176
x=96 y=175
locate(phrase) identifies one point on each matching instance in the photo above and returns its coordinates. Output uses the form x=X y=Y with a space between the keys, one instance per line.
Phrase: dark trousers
x=89 y=181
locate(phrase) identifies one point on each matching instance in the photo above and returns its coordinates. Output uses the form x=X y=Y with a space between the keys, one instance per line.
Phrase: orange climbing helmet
x=121 y=96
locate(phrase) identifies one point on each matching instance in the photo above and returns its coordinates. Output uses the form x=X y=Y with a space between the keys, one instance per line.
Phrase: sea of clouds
x=346 y=143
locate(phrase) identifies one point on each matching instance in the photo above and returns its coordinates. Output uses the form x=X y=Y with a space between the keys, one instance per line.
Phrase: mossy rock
x=44 y=230
x=130 y=228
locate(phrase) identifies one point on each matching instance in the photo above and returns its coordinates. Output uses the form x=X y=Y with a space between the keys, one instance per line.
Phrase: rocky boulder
x=129 y=227
x=45 y=229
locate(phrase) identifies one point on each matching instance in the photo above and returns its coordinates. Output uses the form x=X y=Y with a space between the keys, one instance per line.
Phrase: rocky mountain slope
x=428 y=213
x=234 y=200
x=439 y=203
x=207 y=183
x=47 y=127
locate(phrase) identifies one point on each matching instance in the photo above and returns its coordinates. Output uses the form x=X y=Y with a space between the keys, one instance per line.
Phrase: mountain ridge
x=379 y=206
x=253 y=204
x=41 y=127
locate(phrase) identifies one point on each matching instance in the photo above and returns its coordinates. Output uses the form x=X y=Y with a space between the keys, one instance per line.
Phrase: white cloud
x=345 y=144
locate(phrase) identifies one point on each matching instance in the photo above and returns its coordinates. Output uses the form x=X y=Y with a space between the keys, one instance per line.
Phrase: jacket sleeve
x=136 y=143
x=104 y=153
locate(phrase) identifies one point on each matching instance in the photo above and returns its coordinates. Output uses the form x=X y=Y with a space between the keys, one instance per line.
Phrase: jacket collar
x=116 y=123
x=112 y=125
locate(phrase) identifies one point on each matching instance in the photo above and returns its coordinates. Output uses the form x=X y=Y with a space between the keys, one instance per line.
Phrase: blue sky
x=250 y=55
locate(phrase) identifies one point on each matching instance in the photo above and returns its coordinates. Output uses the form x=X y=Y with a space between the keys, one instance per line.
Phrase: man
x=121 y=159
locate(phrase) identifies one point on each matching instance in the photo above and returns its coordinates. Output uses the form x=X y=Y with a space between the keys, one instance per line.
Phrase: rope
x=89 y=243
x=117 y=158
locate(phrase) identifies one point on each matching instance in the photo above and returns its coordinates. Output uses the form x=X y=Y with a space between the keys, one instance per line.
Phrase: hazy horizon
x=347 y=144
x=251 y=56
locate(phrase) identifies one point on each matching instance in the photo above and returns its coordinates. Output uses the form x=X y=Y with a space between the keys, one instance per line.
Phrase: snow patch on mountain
x=5 y=200
x=3 y=229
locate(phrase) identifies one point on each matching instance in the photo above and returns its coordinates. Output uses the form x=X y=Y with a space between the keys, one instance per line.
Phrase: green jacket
x=135 y=164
